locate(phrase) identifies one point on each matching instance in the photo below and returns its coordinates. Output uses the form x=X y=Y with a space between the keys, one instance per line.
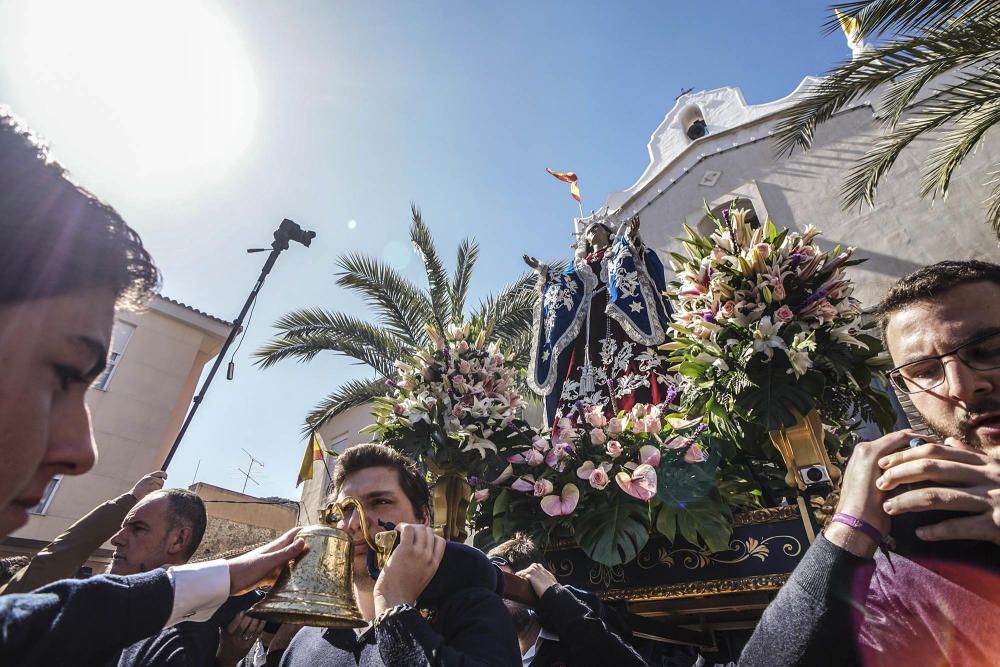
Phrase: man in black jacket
x=570 y=626
x=468 y=626
x=936 y=600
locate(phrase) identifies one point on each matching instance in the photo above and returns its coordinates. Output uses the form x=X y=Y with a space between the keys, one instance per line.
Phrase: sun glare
x=152 y=97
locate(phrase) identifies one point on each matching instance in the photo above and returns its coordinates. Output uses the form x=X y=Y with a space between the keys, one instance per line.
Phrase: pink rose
x=534 y=457
x=614 y=449
x=543 y=487
x=595 y=417
x=540 y=443
x=598 y=478
x=779 y=291
x=784 y=314
x=597 y=437
x=482 y=495
x=652 y=424
x=727 y=310
x=464 y=366
x=615 y=426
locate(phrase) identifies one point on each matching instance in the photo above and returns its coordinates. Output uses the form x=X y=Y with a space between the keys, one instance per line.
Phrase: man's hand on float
x=540 y=579
x=970 y=482
x=149 y=483
x=861 y=498
x=410 y=568
x=262 y=566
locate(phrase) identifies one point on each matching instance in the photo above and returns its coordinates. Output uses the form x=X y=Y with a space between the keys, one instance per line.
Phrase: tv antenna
x=248 y=473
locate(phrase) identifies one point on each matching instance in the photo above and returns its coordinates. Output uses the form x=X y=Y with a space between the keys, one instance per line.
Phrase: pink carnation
x=784 y=314
x=614 y=449
x=598 y=437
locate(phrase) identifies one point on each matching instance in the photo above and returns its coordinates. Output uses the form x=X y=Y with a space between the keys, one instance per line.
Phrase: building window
x=50 y=490
x=120 y=337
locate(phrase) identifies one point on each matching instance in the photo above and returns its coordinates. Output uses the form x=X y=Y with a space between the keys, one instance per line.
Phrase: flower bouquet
x=453 y=407
x=764 y=326
x=608 y=483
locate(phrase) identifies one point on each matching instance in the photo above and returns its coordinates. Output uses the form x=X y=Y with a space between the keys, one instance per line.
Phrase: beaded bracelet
x=859 y=525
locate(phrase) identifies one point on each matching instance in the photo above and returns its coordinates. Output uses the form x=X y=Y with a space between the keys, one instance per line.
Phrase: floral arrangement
x=453 y=406
x=608 y=483
x=765 y=324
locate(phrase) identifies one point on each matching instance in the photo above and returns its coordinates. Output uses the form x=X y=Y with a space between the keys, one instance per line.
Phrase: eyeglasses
x=981 y=354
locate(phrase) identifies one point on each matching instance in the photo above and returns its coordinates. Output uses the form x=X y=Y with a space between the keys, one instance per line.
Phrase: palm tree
x=403 y=312
x=931 y=38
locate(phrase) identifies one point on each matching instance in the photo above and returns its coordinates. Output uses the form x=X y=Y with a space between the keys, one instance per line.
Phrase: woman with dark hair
x=597 y=325
x=66 y=260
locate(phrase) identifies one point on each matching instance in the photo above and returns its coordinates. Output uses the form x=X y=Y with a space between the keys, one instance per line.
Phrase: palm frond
x=962 y=137
x=878 y=16
x=993 y=211
x=437 y=275
x=899 y=60
x=929 y=114
x=508 y=313
x=468 y=253
x=401 y=305
x=306 y=333
x=349 y=395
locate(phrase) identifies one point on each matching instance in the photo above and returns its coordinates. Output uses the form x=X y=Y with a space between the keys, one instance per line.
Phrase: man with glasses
x=936 y=599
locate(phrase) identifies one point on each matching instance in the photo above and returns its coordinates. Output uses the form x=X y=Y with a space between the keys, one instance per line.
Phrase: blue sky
x=332 y=112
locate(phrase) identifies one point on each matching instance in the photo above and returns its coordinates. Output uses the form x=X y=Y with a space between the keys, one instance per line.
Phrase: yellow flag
x=314 y=452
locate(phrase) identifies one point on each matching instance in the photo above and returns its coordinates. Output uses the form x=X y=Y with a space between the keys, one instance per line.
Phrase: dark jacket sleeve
x=63 y=556
x=83 y=622
x=473 y=628
x=810 y=621
x=584 y=636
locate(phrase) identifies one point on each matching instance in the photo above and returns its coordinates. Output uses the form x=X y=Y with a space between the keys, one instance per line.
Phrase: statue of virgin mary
x=597 y=324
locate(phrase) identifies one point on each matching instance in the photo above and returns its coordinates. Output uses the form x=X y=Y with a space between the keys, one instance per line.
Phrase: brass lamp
x=317 y=588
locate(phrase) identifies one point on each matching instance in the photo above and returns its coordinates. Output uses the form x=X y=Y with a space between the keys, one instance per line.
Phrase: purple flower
x=795 y=260
x=708 y=316
x=566 y=447
x=671 y=395
x=579 y=406
x=473 y=480
x=699 y=430
x=390 y=383
x=816 y=296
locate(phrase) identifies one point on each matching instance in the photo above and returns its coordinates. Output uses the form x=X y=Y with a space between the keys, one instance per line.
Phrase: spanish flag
x=567 y=177
x=314 y=452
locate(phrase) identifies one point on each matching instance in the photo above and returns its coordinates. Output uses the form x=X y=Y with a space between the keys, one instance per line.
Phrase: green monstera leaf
x=678 y=481
x=614 y=534
x=775 y=393
x=706 y=522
